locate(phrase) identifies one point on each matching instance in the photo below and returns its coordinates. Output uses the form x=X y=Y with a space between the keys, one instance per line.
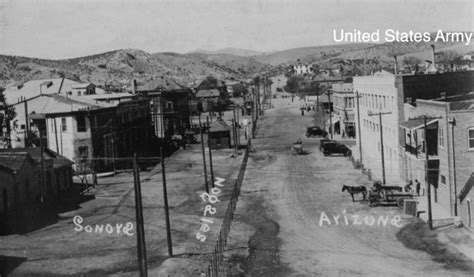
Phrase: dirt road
x=318 y=233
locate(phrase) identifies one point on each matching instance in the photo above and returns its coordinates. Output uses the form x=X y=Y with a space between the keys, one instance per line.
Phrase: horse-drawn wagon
x=297 y=149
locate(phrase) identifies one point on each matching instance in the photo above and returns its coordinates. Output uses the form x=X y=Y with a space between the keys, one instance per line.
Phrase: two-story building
x=344 y=109
x=169 y=106
x=386 y=93
x=449 y=133
x=81 y=131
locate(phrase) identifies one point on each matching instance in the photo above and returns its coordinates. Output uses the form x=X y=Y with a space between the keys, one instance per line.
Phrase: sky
x=56 y=29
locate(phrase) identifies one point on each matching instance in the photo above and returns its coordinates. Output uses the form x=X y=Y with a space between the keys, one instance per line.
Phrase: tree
x=240 y=90
x=293 y=84
x=7 y=114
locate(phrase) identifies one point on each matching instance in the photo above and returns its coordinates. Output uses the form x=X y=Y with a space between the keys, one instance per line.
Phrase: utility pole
x=203 y=156
x=453 y=123
x=381 y=141
x=234 y=131
x=27 y=125
x=210 y=152
x=141 y=247
x=358 y=125
x=165 y=198
x=42 y=168
x=330 y=114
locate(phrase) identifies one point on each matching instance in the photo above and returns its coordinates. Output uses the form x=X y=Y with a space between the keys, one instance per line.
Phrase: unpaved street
x=296 y=190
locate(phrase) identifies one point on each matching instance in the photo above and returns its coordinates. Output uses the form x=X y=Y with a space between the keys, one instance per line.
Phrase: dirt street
x=315 y=231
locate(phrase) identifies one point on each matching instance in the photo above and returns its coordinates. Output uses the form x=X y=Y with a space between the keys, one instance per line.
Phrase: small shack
x=219 y=134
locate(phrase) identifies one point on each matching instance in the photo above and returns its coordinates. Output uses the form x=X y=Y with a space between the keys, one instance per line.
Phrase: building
x=450 y=146
x=388 y=93
x=81 y=131
x=62 y=86
x=344 y=109
x=219 y=135
x=378 y=94
x=211 y=95
x=170 y=109
x=22 y=193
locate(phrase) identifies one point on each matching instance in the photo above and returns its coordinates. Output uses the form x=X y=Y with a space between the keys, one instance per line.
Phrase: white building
x=378 y=94
x=62 y=86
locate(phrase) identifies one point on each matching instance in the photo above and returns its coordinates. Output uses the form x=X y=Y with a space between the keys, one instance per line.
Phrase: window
x=471 y=138
x=83 y=152
x=441 y=137
x=81 y=123
x=443 y=179
x=69 y=92
x=78 y=93
x=63 y=124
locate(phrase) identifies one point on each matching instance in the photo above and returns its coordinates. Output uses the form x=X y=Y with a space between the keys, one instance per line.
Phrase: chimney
x=134 y=86
x=433 y=55
x=396 y=65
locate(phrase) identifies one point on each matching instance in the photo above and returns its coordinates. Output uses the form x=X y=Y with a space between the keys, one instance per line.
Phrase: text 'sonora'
x=117 y=228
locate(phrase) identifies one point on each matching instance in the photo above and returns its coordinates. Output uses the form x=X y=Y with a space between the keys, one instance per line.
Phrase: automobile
x=324 y=141
x=315 y=132
x=330 y=148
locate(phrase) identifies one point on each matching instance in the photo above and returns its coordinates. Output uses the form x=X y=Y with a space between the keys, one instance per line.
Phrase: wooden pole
x=428 y=186
x=210 y=152
x=165 y=199
x=141 y=247
x=203 y=158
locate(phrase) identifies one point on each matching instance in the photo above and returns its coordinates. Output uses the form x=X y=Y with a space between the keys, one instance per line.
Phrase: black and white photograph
x=236 y=138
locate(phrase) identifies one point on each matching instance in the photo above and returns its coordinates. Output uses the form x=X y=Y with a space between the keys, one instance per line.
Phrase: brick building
x=450 y=141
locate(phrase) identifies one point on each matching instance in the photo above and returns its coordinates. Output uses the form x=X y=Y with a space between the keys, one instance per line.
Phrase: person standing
x=418 y=187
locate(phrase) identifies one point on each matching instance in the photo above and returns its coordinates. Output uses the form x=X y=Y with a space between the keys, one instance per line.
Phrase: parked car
x=324 y=141
x=315 y=132
x=330 y=148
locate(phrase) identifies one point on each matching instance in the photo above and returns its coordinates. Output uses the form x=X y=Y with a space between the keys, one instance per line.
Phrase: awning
x=334 y=119
x=467 y=188
x=415 y=124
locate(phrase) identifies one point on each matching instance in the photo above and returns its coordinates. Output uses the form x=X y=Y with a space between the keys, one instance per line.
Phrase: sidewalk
x=448 y=229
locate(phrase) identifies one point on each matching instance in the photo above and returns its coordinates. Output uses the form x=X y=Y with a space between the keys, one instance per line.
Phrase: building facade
x=378 y=94
x=450 y=141
x=344 y=109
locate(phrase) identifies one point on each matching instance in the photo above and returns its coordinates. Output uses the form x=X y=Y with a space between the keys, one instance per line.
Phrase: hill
x=230 y=51
x=120 y=66
x=295 y=54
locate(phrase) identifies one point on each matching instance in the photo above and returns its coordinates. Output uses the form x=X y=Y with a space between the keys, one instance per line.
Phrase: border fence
x=217 y=257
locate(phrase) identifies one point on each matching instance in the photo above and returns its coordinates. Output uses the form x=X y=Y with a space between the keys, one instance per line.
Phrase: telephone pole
x=358 y=125
x=381 y=141
x=141 y=246
x=203 y=156
x=210 y=152
x=165 y=199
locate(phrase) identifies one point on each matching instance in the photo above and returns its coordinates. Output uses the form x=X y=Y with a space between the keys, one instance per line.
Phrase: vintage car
x=330 y=148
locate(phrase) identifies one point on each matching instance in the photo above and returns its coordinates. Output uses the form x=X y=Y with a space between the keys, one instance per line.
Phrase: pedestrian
x=418 y=187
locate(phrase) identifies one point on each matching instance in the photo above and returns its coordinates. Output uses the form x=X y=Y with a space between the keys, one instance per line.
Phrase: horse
x=355 y=190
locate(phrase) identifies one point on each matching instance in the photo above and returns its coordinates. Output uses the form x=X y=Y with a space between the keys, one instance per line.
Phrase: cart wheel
x=400 y=203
